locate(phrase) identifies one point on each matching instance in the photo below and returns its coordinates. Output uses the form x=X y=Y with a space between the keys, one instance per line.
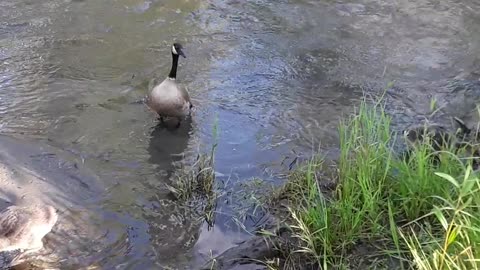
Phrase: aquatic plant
x=195 y=183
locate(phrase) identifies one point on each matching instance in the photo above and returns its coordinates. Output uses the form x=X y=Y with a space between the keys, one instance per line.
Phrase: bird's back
x=22 y=226
x=13 y=222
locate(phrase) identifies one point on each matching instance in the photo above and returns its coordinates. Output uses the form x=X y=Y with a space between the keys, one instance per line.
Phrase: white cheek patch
x=174 y=51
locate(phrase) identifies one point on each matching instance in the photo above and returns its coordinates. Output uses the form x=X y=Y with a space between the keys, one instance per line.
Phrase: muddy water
x=277 y=75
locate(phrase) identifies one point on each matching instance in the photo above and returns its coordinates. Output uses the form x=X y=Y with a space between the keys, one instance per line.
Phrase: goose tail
x=5 y=244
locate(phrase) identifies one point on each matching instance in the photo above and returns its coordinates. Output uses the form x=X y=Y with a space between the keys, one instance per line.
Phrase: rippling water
x=278 y=75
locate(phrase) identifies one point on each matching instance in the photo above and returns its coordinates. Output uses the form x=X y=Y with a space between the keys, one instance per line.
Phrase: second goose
x=23 y=227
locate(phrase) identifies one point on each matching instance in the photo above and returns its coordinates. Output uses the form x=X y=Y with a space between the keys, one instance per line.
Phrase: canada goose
x=463 y=130
x=23 y=227
x=468 y=144
x=436 y=135
x=462 y=142
x=170 y=99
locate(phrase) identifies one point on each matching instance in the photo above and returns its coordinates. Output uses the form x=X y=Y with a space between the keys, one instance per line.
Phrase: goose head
x=177 y=49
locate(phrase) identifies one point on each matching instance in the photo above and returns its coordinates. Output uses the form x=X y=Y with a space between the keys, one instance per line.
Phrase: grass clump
x=415 y=213
x=195 y=184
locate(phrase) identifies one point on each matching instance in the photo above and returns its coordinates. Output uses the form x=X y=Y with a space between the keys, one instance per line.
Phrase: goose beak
x=180 y=52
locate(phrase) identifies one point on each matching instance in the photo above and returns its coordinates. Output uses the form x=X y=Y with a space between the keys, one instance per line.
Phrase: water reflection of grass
x=385 y=212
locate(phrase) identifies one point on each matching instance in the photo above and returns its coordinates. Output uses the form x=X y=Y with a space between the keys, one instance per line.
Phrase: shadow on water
x=168 y=143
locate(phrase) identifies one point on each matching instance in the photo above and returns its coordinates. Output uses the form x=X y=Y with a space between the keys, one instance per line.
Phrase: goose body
x=23 y=227
x=437 y=135
x=169 y=98
x=464 y=142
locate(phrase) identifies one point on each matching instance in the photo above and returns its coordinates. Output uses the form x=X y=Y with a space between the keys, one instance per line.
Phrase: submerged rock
x=256 y=249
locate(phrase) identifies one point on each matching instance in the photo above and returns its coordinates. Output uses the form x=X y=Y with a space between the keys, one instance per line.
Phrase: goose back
x=24 y=227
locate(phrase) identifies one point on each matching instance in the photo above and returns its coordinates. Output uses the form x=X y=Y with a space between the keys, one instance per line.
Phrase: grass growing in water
x=415 y=213
x=196 y=183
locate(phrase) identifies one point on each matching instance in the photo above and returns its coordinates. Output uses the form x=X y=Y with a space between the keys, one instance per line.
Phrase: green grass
x=415 y=213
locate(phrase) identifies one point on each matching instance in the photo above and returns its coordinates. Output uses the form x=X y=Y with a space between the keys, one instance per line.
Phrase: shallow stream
x=277 y=74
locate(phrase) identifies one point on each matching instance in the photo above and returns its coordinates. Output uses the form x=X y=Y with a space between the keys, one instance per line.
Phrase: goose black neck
x=173 y=71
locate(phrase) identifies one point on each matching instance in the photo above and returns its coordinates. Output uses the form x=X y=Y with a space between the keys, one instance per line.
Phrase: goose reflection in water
x=167 y=144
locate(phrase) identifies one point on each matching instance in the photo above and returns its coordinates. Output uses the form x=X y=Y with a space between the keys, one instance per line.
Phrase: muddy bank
x=246 y=254
x=32 y=172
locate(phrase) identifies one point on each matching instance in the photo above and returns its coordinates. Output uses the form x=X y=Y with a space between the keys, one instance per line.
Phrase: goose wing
x=11 y=220
x=184 y=92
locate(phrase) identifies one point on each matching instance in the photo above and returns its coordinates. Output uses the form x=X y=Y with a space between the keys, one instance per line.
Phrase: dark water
x=278 y=75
